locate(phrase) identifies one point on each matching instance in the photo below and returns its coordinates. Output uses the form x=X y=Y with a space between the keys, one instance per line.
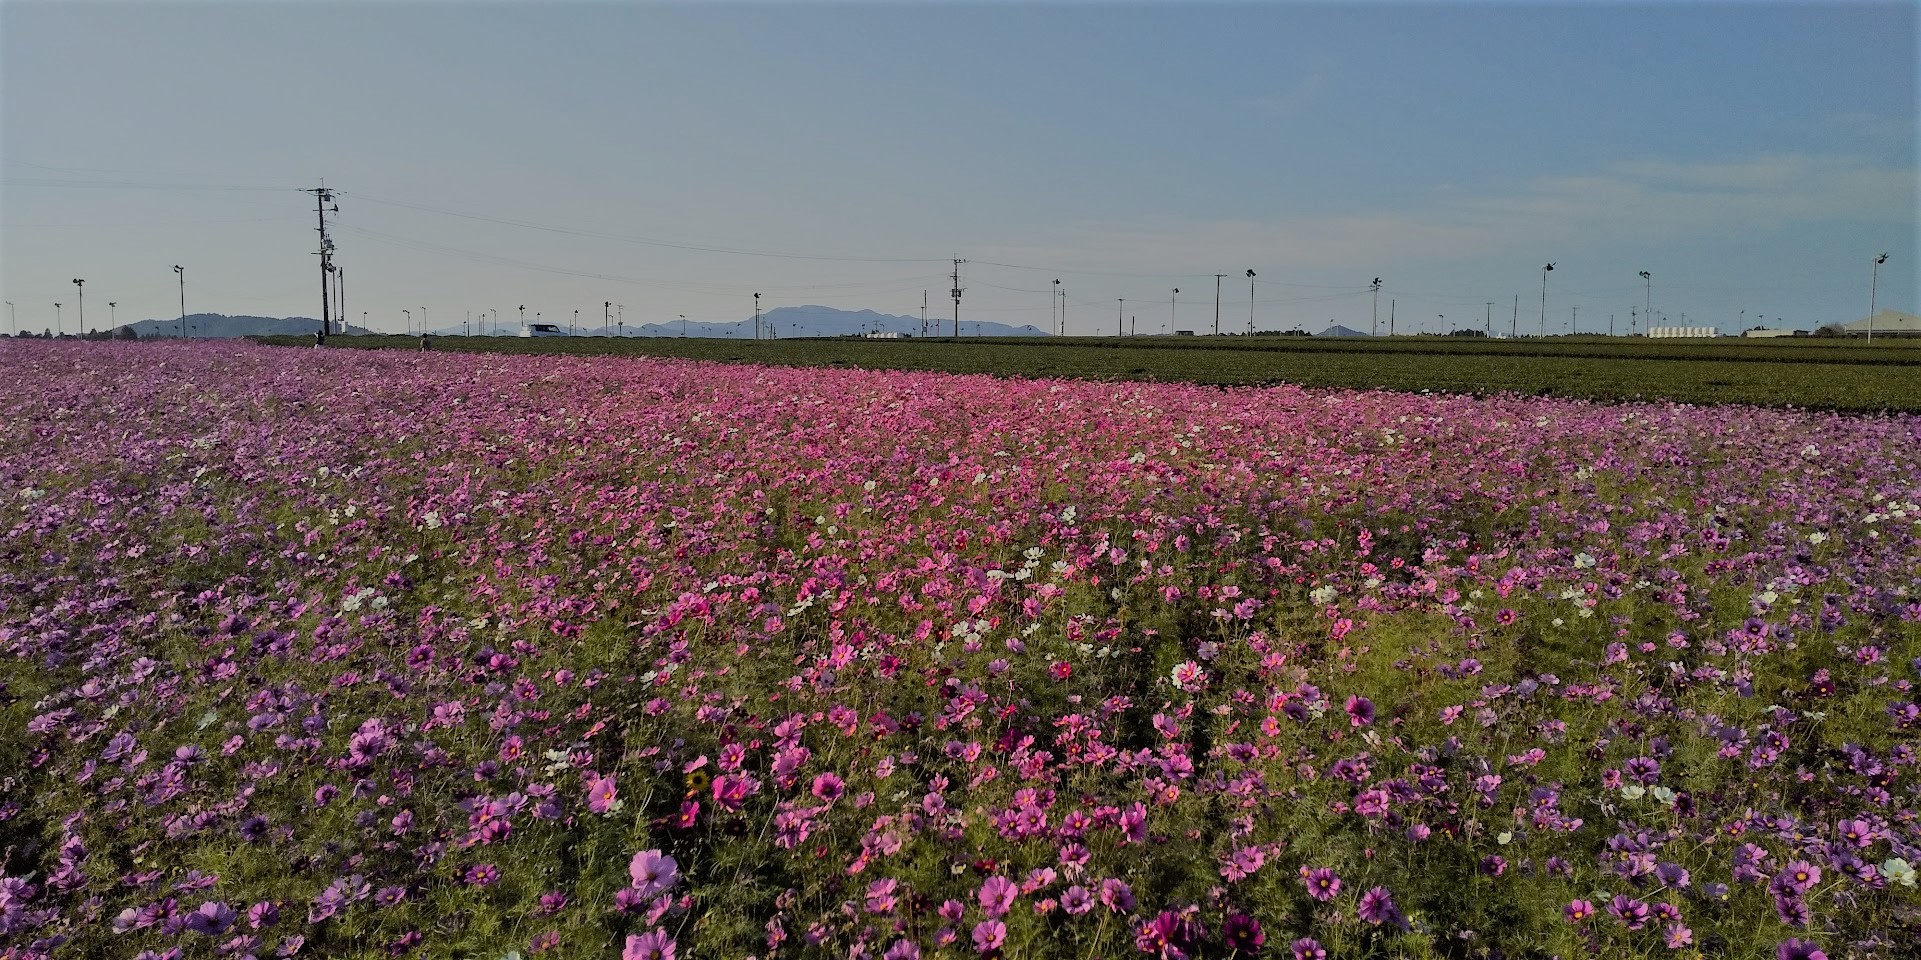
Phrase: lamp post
x=1647 y=305
x=1874 y=275
x=423 y=321
x=1054 y=306
x=113 y=315
x=410 y=320
x=620 y=317
x=1120 y=317
x=1375 y=331
x=81 y=285
x=56 y=320
x=1250 y=303
x=523 y=318
x=606 y=315
x=182 y=271
x=756 y=316
x=683 y=325
x=1544 y=272
x=1170 y=309
x=574 y=322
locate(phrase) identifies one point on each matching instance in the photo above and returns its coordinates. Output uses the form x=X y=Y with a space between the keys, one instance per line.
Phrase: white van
x=542 y=330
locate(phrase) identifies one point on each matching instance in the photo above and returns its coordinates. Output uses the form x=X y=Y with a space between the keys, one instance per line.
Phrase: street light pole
x=56 y=321
x=1544 y=272
x=1375 y=331
x=1170 y=309
x=1120 y=317
x=1874 y=276
x=81 y=285
x=113 y=315
x=182 y=271
x=410 y=320
x=1647 y=306
x=1250 y=303
x=523 y=318
x=683 y=325
x=1054 y=304
x=620 y=317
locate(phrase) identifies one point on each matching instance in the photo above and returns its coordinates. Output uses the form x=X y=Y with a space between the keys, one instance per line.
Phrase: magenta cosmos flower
x=1321 y=882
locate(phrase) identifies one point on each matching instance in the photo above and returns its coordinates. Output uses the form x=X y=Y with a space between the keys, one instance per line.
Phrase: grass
x=1841 y=375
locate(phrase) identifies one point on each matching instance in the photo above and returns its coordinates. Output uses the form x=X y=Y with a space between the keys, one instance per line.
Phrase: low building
x=1887 y=323
x=1693 y=332
x=1763 y=332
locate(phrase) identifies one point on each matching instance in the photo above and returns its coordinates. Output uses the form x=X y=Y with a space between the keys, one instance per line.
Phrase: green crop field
x=1815 y=374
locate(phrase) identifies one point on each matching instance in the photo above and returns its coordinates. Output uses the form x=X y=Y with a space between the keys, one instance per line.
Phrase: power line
x=569 y=231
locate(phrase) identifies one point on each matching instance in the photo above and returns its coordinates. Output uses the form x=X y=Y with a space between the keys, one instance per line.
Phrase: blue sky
x=1753 y=158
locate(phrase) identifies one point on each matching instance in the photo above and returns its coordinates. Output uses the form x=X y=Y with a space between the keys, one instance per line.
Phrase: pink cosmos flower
x=652 y=945
x=653 y=873
x=997 y=896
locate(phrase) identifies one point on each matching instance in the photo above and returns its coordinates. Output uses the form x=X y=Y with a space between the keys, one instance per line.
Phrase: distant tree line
x=117 y=333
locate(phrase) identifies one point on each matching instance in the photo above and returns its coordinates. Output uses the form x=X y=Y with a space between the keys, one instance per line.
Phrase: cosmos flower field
x=362 y=654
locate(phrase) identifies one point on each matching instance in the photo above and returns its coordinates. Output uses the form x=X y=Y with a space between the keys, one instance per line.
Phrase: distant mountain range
x=218 y=326
x=782 y=322
x=1339 y=331
x=808 y=321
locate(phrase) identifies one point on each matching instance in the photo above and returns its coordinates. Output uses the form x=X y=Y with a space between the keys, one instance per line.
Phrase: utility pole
x=1170 y=309
x=606 y=315
x=1063 y=299
x=757 y=316
x=1054 y=309
x=956 y=291
x=340 y=300
x=81 y=285
x=620 y=318
x=1217 y=303
x=56 y=320
x=1133 y=325
x=523 y=318
x=923 y=314
x=1375 y=330
x=1390 y=315
x=1514 y=323
x=1574 y=325
x=323 y=197
x=1610 y=325
x=1490 y=318
x=683 y=326
x=182 y=271
x=1119 y=314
